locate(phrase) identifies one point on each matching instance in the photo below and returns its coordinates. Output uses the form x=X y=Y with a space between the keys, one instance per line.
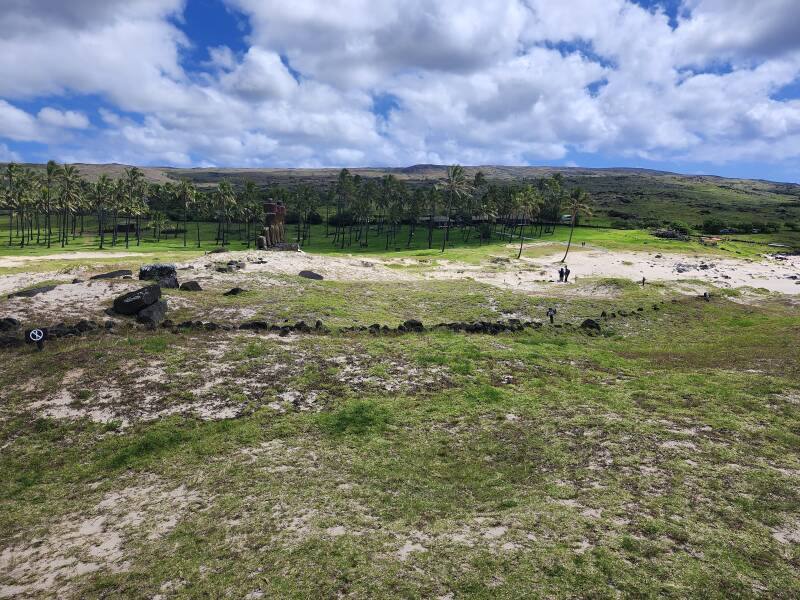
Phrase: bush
x=680 y=227
x=713 y=225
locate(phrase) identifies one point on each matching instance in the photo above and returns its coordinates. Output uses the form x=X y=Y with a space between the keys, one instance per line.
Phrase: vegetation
x=658 y=459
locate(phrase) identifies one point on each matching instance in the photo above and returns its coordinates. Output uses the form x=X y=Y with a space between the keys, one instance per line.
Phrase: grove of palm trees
x=55 y=206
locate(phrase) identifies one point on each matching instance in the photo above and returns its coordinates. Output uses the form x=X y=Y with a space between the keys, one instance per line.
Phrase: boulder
x=412 y=325
x=132 y=302
x=33 y=292
x=231 y=266
x=153 y=315
x=234 y=292
x=8 y=324
x=113 y=274
x=191 y=286
x=311 y=275
x=165 y=274
x=219 y=250
x=590 y=325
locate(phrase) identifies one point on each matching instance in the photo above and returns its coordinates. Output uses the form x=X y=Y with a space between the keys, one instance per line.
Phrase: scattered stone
x=311 y=275
x=113 y=274
x=219 y=250
x=234 y=292
x=165 y=274
x=33 y=292
x=231 y=266
x=132 y=302
x=191 y=286
x=591 y=325
x=412 y=325
x=153 y=315
x=8 y=324
x=76 y=280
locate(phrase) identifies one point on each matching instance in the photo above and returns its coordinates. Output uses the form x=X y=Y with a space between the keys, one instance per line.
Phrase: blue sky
x=694 y=86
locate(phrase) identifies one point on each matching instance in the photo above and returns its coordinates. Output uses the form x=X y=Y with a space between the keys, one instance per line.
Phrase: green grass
x=658 y=459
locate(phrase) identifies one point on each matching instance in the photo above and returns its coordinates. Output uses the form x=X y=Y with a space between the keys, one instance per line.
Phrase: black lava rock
x=33 y=292
x=153 y=315
x=311 y=275
x=590 y=325
x=234 y=292
x=165 y=274
x=8 y=324
x=191 y=286
x=113 y=274
x=412 y=325
x=132 y=302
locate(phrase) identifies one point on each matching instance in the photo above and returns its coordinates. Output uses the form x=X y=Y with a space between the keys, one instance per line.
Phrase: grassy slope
x=637 y=193
x=655 y=460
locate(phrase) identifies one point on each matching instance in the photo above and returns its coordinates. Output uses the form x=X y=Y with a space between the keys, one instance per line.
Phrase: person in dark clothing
x=561 y=274
x=643 y=281
x=551 y=312
x=566 y=274
x=706 y=296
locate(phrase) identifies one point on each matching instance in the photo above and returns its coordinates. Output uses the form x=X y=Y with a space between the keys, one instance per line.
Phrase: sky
x=693 y=86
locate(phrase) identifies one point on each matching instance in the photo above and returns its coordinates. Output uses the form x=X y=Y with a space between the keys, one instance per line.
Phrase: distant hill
x=622 y=196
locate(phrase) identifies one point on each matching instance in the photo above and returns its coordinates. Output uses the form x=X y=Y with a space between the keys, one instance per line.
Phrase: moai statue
x=273 y=232
x=280 y=223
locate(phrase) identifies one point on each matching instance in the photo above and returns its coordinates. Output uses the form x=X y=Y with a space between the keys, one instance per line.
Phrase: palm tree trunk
x=569 y=242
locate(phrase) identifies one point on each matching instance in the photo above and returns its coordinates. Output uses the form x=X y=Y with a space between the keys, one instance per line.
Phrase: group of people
x=563 y=274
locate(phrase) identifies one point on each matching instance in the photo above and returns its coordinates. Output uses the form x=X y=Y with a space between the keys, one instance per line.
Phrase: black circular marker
x=36 y=336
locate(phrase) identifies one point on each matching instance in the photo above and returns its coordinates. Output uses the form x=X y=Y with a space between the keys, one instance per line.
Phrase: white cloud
x=510 y=81
x=69 y=119
x=7 y=155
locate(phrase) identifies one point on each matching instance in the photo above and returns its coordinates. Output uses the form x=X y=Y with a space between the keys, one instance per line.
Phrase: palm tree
x=577 y=204
x=12 y=196
x=456 y=187
x=51 y=172
x=134 y=187
x=529 y=203
x=102 y=191
x=225 y=202
x=70 y=196
x=186 y=193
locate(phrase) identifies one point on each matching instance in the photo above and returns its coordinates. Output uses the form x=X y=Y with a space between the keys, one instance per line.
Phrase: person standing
x=643 y=280
x=561 y=274
x=566 y=274
x=551 y=313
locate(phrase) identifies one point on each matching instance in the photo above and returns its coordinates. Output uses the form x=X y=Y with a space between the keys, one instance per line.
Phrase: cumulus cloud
x=69 y=119
x=511 y=81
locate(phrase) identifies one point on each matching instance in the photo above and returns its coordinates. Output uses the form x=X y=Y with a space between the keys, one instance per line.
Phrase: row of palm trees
x=51 y=205
x=474 y=206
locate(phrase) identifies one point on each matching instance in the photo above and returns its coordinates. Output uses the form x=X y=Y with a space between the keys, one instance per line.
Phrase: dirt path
x=18 y=261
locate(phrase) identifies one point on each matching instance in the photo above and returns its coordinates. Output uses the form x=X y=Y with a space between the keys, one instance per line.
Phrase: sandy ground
x=19 y=261
x=538 y=274
x=88 y=299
